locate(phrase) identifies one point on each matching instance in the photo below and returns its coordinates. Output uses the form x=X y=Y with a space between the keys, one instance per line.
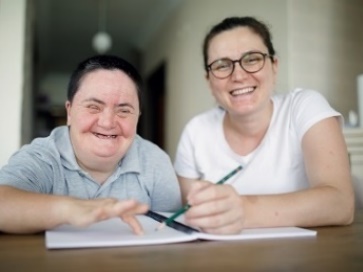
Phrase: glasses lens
x=253 y=62
x=221 y=68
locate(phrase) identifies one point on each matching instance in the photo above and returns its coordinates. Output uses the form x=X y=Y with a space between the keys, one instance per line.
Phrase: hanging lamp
x=102 y=41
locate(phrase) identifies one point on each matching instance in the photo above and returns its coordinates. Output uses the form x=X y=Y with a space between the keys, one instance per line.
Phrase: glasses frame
x=264 y=56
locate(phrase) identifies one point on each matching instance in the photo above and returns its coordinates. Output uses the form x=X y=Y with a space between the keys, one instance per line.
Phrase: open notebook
x=114 y=233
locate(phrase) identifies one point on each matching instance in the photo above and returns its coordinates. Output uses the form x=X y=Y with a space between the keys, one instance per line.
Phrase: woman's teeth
x=242 y=91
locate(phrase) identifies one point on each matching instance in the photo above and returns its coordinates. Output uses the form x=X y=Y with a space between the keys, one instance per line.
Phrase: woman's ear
x=275 y=65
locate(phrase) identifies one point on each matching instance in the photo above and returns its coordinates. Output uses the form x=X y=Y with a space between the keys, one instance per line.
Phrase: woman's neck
x=245 y=133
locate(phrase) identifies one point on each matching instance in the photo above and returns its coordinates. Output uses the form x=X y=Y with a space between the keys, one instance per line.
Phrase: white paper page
x=262 y=233
x=112 y=233
x=257 y=233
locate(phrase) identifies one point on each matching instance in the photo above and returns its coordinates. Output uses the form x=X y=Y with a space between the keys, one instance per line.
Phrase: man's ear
x=68 y=109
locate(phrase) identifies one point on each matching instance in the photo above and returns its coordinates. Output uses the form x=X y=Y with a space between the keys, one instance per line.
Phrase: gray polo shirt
x=48 y=165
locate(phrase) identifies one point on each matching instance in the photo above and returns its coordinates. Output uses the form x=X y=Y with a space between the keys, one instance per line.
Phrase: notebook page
x=256 y=233
x=111 y=233
x=261 y=233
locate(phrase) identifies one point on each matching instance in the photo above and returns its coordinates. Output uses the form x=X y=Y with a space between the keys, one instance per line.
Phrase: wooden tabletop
x=334 y=249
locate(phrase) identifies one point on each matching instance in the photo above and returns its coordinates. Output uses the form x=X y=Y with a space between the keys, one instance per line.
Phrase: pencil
x=187 y=206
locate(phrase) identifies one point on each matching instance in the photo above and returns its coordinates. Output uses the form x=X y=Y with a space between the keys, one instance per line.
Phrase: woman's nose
x=238 y=72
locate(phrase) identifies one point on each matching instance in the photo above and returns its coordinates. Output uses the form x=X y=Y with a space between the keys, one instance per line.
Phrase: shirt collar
x=129 y=163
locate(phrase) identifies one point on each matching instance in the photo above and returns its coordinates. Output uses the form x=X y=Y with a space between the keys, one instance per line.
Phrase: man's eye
x=93 y=108
x=124 y=112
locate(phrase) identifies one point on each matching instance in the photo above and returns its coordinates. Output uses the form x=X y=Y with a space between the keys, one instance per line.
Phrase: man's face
x=103 y=117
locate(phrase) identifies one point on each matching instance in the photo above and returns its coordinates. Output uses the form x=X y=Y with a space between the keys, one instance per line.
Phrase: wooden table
x=334 y=249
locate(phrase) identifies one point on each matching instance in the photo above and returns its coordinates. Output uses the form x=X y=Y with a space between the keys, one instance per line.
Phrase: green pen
x=187 y=206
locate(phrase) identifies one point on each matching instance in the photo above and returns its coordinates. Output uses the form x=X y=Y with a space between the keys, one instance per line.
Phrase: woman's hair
x=255 y=25
x=102 y=62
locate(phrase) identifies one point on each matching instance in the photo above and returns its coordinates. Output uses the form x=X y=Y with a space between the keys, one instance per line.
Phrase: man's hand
x=79 y=212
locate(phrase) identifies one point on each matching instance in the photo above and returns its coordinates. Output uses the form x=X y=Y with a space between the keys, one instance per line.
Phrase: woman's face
x=103 y=117
x=241 y=93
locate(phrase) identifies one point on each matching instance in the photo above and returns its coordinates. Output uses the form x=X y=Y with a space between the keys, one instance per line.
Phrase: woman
x=296 y=170
x=94 y=168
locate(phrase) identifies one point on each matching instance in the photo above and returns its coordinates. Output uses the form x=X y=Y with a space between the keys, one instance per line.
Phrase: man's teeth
x=242 y=91
x=105 y=136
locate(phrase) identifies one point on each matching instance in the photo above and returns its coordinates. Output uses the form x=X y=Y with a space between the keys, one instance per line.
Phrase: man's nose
x=107 y=119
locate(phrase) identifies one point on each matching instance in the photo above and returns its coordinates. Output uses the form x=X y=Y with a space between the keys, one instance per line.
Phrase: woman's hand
x=216 y=209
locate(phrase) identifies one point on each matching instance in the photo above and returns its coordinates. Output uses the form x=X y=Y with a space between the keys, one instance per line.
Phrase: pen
x=187 y=206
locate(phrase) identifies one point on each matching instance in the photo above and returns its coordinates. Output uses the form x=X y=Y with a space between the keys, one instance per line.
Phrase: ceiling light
x=102 y=41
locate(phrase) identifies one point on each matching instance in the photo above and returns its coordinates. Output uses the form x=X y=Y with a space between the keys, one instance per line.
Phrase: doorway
x=152 y=119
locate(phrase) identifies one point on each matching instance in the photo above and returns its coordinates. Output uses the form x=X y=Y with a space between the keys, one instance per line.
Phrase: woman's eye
x=222 y=65
x=252 y=59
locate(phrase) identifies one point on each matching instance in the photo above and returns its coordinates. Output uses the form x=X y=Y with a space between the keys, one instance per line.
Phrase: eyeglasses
x=251 y=62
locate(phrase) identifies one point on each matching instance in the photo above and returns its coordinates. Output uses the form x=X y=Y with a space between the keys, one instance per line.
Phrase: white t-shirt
x=275 y=166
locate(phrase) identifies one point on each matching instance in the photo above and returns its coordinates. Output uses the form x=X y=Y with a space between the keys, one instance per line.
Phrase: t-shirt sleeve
x=185 y=164
x=27 y=171
x=308 y=108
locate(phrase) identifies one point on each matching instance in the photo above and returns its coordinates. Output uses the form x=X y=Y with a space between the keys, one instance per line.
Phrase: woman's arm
x=328 y=201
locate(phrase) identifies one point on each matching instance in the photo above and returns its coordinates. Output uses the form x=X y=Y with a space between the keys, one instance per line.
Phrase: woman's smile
x=242 y=91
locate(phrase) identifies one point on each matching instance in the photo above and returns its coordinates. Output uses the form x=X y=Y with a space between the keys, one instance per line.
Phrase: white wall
x=12 y=36
x=326 y=48
x=319 y=44
x=179 y=43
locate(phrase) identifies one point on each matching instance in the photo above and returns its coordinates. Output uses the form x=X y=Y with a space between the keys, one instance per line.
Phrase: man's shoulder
x=145 y=146
x=47 y=147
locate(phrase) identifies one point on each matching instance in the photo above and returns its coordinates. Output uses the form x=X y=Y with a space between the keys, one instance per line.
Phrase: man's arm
x=26 y=212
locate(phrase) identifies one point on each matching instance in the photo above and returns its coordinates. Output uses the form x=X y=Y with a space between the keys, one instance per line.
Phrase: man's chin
x=107 y=155
x=103 y=155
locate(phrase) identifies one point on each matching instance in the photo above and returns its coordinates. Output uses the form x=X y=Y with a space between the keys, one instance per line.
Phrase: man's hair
x=104 y=62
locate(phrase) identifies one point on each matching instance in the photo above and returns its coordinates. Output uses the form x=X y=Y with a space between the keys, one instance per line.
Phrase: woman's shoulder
x=300 y=96
x=212 y=116
x=300 y=93
x=295 y=93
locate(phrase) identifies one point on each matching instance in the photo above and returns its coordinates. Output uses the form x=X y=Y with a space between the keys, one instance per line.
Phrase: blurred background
x=66 y=32
x=319 y=44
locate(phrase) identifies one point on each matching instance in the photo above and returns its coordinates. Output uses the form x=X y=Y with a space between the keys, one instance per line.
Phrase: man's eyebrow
x=92 y=99
x=121 y=105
